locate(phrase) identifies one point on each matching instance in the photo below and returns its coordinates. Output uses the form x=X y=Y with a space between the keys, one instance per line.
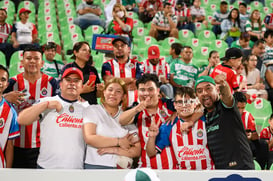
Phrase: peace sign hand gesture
x=154 y=127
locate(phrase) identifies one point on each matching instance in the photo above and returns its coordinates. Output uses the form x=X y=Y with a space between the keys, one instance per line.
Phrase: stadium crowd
x=188 y=84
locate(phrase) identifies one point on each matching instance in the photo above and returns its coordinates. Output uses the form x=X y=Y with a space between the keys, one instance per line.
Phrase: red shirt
x=248 y=121
x=229 y=73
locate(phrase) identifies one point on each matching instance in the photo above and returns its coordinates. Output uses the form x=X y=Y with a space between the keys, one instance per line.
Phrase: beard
x=120 y=56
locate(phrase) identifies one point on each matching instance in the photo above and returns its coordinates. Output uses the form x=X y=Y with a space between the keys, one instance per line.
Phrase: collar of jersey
x=67 y=100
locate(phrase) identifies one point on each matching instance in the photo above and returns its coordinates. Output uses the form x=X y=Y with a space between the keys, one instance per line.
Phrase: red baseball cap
x=23 y=10
x=153 y=52
x=72 y=70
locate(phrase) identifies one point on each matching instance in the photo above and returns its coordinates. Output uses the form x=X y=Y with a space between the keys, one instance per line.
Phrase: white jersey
x=62 y=143
x=107 y=126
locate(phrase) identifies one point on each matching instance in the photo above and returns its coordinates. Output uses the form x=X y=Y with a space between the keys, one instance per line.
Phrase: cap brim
x=153 y=57
x=223 y=58
x=120 y=39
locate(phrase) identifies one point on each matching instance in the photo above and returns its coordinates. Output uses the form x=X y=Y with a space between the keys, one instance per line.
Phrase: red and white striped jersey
x=165 y=160
x=162 y=68
x=45 y=86
x=5 y=31
x=130 y=69
x=191 y=149
x=267 y=134
x=248 y=121
x=9 y=128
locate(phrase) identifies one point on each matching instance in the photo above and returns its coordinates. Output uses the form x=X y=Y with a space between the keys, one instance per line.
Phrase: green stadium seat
x=199 y=27
x=261 y=111
x=16 y=57
x=166 y=44
x=185 y=35
x=88 y=33
x=211 y=9
x=257 y=165
x=207 y=37
x=15 y=69
x=220 y=46
x=256 y=5
x=98 y=59
x=10 y=8
x=28 y=5
x=132 y=14
x=269 y=3
x=49 y=37
x=200 y=56
x=194 y=43
x=145 y=43
x=3 y=59
x=138 y=23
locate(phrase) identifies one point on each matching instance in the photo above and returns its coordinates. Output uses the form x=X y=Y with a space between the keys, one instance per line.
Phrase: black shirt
x=87 y=70
x=227 y=140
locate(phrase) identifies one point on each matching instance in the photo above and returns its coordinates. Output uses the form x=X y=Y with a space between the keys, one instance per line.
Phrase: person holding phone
x=83 y=61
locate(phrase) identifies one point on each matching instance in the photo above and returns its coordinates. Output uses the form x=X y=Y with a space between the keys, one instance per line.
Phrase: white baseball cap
x=141 y=174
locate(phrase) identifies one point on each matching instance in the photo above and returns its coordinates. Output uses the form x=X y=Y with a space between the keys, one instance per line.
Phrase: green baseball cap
x=203 y=79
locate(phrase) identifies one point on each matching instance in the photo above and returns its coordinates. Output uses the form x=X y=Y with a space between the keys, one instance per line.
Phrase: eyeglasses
x=185 y=102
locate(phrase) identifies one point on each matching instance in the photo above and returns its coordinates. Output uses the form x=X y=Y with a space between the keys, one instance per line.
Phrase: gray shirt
x=87 y=15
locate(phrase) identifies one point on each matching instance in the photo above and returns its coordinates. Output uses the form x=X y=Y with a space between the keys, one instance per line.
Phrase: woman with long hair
x=121 y=24
x=254 y=82
x=83 y=61
x=255 y=26
x=107 y=141
x=231 y=27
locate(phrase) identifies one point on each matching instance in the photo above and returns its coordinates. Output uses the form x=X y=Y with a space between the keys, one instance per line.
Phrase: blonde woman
x=106 y=139
x=121 y=24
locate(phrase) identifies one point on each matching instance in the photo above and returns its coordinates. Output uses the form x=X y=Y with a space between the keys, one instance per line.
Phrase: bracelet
x=118 y=143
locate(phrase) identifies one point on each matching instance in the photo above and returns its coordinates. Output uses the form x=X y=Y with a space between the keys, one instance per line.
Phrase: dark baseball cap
x=232 y=53
x=123 y=39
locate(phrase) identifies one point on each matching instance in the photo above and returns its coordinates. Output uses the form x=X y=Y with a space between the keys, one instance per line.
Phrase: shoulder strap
x=57 y=68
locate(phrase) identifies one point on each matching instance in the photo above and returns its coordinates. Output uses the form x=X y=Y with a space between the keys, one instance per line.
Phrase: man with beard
x=227 y=140
x=151 y=107
x=123 y=67
x=88 y=14
x=183 y=72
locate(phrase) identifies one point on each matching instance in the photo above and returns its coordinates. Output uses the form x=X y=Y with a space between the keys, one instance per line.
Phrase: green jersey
x=184 y=74
x=50 y=69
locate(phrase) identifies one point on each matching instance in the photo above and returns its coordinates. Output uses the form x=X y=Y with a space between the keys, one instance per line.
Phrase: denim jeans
x=85 y=23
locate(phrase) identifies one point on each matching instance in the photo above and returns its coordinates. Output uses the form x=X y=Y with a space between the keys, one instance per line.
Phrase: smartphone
x=92 y=78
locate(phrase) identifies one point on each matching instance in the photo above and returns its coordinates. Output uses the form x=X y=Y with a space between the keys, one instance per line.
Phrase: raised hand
x=154 y=127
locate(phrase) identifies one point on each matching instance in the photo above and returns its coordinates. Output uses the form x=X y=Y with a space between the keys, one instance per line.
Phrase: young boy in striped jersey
x=190 y=148
x=9 y=128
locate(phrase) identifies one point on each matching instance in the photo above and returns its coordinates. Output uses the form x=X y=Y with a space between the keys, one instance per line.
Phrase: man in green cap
x=226 y=136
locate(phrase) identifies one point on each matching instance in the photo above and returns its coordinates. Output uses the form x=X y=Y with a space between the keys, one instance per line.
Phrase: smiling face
x=150 y=91
x=207 y=95
x=184 y=105
x=3 y=80
x=50 y=54
x=71 y=86
x=113 y=95
x=32 y=62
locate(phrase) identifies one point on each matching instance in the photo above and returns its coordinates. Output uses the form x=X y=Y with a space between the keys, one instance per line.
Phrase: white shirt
x=107 y=126
x=62 y=143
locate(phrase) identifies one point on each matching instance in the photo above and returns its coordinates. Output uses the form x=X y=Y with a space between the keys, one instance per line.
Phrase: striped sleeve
x=14 y=131
x=248 y=26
